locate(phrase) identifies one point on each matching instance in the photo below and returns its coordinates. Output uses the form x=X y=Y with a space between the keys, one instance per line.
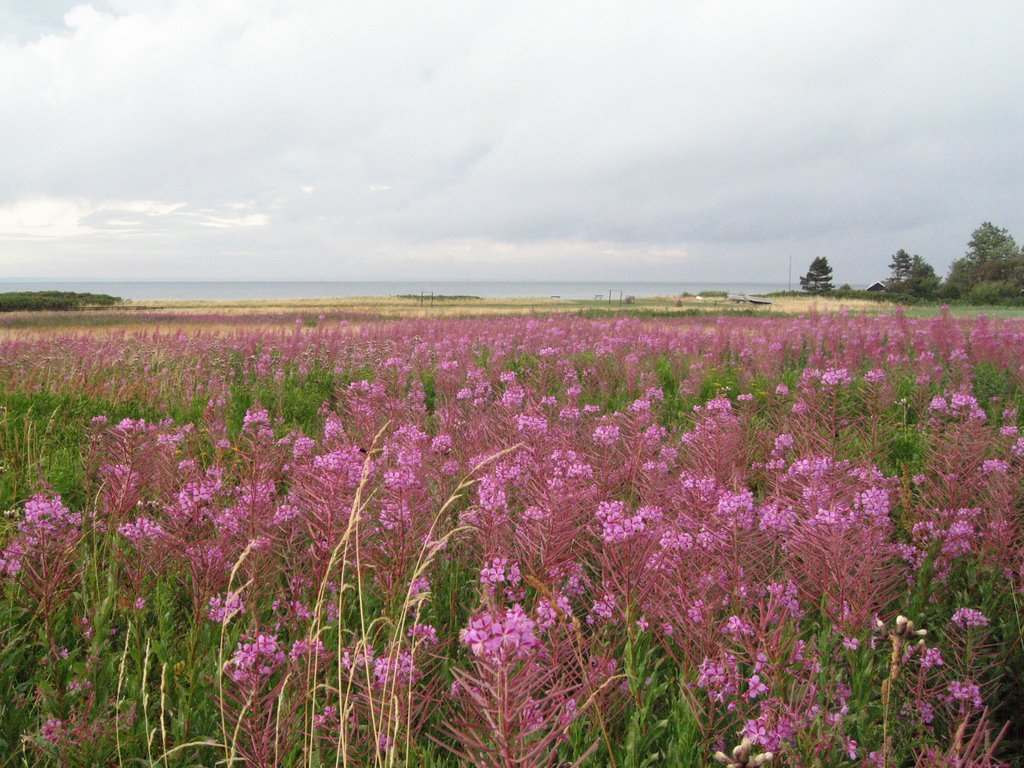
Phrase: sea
x=248 y=290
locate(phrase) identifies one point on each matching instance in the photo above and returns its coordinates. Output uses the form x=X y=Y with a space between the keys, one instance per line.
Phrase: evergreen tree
x=818 y=278
x=899 y=269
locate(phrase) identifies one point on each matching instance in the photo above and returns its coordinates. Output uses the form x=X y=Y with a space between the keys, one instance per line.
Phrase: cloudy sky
x=703 y=140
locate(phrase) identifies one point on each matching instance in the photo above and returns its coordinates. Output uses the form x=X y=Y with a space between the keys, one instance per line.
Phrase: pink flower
x=52 y=730
x=931 y=657
x=224 y=608
x=967 y=693
x=606 y=435
x=500 y=638
x=141 y=529
x=424 y=632
x=755 y=687
x=256 y=659
x=969 y=617
x=737 y=628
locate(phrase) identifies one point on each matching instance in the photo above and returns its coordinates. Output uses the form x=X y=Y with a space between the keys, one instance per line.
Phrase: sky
x=693 y=140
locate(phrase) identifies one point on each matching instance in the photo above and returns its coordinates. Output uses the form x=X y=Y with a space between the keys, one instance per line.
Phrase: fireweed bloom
x=969 y=617
x=637 y=498
x=501 y=638
x=618 y=526
x=255 y=660
x=224 y=608
x=46 y=525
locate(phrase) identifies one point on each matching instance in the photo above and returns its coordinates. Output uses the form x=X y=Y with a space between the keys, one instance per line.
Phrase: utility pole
x=790 y=289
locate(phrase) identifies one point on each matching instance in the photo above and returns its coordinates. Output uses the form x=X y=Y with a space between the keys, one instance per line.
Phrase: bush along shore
x=37 y=301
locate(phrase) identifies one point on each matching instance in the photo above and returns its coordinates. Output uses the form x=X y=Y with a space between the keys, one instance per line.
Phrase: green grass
x=297 y=400
x=42 y=439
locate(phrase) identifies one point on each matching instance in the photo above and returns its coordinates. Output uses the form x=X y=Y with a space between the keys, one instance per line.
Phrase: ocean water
x=225 y=290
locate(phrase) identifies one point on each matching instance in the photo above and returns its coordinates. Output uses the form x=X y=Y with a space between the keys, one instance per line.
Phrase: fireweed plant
x=514 y=542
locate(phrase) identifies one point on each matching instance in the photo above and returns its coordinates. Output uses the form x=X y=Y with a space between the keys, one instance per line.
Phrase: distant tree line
x=990 y=272
x=35 y=301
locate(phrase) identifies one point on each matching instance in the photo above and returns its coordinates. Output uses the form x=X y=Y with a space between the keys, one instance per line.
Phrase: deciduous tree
x=922 y=280
x=992 y=257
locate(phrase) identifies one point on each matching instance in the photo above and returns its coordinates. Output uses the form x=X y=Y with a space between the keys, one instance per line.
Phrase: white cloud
x=43 y=217
x=54 y=218
x=250 y=220
x=735 y=133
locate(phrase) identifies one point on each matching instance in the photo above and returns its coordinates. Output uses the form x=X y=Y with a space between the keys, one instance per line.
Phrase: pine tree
x=818 y=278
x=900 y=269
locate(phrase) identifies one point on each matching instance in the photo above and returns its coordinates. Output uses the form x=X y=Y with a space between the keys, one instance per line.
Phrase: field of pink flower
x=515 y=542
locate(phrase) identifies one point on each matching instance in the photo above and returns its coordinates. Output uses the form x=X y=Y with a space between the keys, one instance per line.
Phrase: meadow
x=511 y=539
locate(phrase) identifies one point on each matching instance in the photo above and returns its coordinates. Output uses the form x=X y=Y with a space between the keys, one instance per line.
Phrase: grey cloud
x=463 y=137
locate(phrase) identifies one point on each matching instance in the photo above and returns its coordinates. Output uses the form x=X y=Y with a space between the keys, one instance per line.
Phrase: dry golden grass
x=393 y=306
x=384 y=306
x=796 y=305
x=189 y=316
